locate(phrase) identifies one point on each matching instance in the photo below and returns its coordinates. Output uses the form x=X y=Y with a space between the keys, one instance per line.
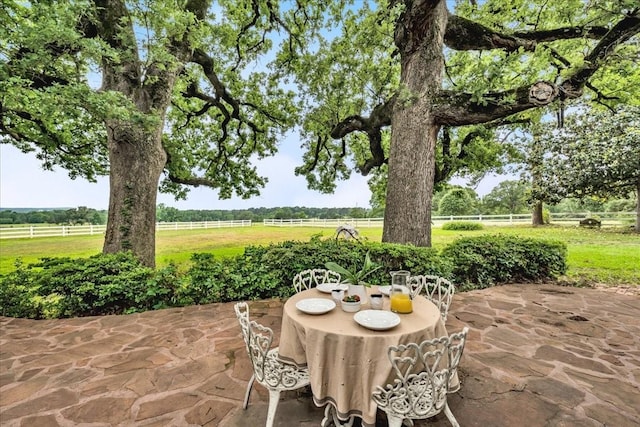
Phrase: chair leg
x=328 y=418
x=450 y=416
x=394 y=421
x=274 y=398
x=246 y=395
x=331 y=418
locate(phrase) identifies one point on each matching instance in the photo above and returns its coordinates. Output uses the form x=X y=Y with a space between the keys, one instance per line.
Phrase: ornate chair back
x=268 y=370
x=423 y=372
x=436 y=289
x=307 y=279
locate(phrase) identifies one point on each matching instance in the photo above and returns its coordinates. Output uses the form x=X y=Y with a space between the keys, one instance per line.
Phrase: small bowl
x=350 y=307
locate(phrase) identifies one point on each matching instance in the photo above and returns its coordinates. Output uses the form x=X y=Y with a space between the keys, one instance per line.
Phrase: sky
x=24 y=184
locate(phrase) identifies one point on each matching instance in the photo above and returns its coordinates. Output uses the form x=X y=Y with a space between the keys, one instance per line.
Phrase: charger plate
x=315 y=305
x=377 y=320
x=328 y=287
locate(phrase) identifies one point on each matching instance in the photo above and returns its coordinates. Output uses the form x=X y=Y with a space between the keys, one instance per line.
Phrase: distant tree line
x=508 y=197
x=169 y=214
x=76 y=216
x=514 y=197
x=83 y=215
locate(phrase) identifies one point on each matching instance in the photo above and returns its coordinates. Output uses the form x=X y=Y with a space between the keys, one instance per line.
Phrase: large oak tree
x=186 y=98
x=191 y=91
x=520 y=56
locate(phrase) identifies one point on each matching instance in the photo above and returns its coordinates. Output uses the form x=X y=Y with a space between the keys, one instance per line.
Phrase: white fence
x=324 y=223
x=607 y=218
x=78 y=230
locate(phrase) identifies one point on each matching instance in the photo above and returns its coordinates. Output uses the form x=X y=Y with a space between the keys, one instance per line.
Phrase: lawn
x=594 y=255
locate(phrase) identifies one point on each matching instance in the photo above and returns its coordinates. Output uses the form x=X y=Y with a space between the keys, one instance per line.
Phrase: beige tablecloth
x=345 y=360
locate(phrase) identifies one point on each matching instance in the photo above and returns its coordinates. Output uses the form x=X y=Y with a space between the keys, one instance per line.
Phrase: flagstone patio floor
x=536 y=355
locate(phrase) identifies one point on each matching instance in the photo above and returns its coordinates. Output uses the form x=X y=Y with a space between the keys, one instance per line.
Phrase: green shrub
x=17 y=296
x=227 y=279
x=65 y=287
x=268 y=271
x=462 y=225
x=288 y=258
x=118 y=283
x=484 y=261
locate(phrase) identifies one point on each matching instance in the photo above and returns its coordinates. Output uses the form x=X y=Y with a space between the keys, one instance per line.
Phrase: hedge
x=119 y=284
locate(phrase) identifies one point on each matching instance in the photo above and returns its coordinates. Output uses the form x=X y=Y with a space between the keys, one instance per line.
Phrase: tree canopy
x=595 y=153
x=507 y=197
x=457 y=75
x=495 y=51
x=193 y=91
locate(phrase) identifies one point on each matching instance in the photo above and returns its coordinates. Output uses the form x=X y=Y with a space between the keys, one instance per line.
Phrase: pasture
x=609 y=256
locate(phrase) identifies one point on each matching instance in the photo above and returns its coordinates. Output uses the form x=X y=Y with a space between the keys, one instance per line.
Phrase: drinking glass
x=376 y=301
x=337 y=295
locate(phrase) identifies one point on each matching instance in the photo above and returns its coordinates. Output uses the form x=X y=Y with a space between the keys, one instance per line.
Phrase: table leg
x=331 y=416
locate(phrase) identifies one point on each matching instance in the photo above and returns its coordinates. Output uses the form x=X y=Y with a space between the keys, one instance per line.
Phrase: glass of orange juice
x=399 y=293
x=400 y=302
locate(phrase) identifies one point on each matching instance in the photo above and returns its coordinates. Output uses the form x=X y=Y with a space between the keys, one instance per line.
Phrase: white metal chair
x=270 y=372
x=311 y=278
x=436 y=289
x=423 y=372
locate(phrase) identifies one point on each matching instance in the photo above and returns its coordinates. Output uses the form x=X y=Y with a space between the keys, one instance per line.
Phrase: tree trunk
x=136 y=161
x=536 y=215
x=420 y=38
x=637 y=228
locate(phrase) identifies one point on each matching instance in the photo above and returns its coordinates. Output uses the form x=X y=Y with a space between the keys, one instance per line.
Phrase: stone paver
x=537 y=355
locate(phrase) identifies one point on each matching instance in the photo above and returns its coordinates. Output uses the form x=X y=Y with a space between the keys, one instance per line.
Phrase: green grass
x=594 y=255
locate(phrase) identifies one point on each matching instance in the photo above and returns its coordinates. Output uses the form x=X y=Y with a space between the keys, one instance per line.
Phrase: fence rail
x=607 y=218
x=78 y=230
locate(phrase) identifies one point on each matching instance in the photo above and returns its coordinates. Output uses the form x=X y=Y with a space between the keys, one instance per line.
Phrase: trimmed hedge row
x=118 y=283
x=485 y=261
x=462 y=225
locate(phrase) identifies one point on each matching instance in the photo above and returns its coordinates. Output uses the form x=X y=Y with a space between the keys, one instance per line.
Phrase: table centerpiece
x=355 y=277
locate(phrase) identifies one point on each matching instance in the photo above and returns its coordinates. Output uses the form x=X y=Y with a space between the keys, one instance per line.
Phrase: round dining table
x=346 y=361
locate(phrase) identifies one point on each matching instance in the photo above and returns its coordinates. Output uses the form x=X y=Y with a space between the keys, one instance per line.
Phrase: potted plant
x=351 y=303
x=355 y=277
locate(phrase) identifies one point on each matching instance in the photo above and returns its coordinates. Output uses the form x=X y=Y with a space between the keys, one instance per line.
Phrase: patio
x=537 y=355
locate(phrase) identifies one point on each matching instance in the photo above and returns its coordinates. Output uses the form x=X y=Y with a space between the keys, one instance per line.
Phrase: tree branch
x=206 y=62
x=380 y=117
x=464 y=34
x=456 y=109
x=193 y=181
x=621 y=32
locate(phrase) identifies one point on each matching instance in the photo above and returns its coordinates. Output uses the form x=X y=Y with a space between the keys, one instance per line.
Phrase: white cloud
x=23 y=183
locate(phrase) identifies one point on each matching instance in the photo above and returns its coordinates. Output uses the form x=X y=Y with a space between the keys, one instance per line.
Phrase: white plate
x=378 y=320
x=328 y=287
x=315 y=305
x=386 y=289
